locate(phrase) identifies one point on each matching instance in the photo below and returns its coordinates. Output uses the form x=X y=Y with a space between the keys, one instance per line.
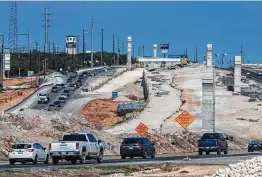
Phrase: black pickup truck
x=212 y=142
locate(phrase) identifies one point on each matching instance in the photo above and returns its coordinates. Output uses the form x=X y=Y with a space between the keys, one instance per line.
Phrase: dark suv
x=137 y=147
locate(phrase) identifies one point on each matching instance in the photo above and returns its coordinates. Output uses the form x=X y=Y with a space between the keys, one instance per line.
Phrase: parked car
x=54 y=89
x=137 y=147
x=254 y=145
x=77 y=146
x=63 y=86
x=69 y=80
x=28 y=152
x=212 y=142
x=57 y=103
x=52 y=107
x=62 y=99
x=67 y=92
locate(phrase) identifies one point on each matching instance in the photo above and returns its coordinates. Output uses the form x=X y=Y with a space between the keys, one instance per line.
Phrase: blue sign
x=164 y=46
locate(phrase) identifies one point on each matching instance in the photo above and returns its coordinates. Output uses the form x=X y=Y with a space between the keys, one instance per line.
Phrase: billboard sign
x=7 y=59
x=164 y=46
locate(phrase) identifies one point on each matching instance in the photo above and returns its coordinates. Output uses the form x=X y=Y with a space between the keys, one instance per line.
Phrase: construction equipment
x=184 y=61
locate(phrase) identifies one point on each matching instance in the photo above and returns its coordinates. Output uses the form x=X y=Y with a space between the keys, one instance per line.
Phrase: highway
x=55 y=95
x=212 y=159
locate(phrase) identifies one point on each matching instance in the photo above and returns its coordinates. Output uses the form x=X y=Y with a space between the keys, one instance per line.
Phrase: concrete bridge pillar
x=209 y=56
x=237 y=74
x=129 y=52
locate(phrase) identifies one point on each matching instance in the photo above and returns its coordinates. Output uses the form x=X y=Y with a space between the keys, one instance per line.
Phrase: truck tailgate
x=207 y=143
x=63 y=146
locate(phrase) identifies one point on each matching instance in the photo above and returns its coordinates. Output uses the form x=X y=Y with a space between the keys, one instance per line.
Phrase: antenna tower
x=13 y=27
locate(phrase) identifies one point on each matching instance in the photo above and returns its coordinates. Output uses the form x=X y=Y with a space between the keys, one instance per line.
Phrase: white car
x=64 y=95
x=28 y=152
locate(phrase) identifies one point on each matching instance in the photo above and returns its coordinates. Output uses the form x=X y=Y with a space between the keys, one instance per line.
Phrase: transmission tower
x=47 y=25
x=13 y=27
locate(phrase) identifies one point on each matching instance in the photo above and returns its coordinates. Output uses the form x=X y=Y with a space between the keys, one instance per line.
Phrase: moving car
x=254 y=145
x=54 y=89
x=59 y=86
x=62 y=99
x=43 y=98
x=69 y=80
x=77 y=146
x=67 y=92
x=52 y=107
x=72 y=87
x=137 y=147
x=57 y=103
x=64 y=95
x=28 y=152
x=212 y=142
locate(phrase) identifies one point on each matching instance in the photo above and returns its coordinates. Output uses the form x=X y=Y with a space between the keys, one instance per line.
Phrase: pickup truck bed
x=75 y=147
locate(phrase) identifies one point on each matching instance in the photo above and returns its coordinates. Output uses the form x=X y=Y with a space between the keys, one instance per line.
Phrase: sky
x=225 y=25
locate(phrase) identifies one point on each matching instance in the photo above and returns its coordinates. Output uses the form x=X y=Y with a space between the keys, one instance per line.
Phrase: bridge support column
x=237 y=74
x=129 y=52
x=208 y=100
x=209 y=56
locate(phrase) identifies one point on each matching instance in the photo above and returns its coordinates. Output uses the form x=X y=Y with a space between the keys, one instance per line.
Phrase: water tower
x=71 y=44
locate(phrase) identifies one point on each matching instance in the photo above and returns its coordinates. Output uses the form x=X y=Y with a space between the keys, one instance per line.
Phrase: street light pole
x=102 y=47
x=92 y=25
x=2 y=64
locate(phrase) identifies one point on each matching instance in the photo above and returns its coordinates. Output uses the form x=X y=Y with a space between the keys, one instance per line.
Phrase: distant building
x=89 y=51
x=71 y=45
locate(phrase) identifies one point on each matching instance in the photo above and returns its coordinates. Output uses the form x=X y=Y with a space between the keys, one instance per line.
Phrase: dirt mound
x=102 y=111
x=134 y=97
x=10 y=98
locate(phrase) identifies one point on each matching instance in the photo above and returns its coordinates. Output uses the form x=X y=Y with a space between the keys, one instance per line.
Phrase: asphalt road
x=212 y=159
x=55 y=95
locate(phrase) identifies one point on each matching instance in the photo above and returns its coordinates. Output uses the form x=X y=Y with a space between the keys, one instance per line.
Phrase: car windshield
x=131 y=141
x=255 y=142
x=65 y=91
x=210 y=136
x=21 y=146
x=51 y=105
x=42 y=94
x=54 y=87
x=74 y=138
x=56 y=102
x=61 y=98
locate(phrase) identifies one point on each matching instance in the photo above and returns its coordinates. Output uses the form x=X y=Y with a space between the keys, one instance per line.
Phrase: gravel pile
x=46 y=127
x=248 y=168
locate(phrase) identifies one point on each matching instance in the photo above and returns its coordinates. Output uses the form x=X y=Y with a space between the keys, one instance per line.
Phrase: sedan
x=64 y=95
x=28 y=152
x=57 y=103
x=254 y=145
x=52 y=107
x=62 y=99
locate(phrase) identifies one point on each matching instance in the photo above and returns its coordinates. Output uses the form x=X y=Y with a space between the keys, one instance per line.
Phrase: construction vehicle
x=184 y=61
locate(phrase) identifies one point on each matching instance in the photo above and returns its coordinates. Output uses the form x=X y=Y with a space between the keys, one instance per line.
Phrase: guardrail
x=27 y=98
x=135 y=113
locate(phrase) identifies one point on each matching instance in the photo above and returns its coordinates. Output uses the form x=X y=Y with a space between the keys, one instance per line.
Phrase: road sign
x=141 y=129
x=185 y=119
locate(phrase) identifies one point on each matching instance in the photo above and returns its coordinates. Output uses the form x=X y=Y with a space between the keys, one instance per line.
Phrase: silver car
x=28 y=152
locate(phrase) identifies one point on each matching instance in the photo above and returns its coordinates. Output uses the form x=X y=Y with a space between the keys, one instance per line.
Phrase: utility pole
x=92 y=26
x=123 y=48
x=138 y=51
x=118 y=51
x=243 y=53
x=54 y=55
x=2 y=63
x=196 y=55
x=102 y=46
x=114 y=49
x=143 y=50
x=84 y=48
x=133 y=52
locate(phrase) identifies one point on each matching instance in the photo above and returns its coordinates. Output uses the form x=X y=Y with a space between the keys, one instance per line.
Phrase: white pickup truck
x=77 y=146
